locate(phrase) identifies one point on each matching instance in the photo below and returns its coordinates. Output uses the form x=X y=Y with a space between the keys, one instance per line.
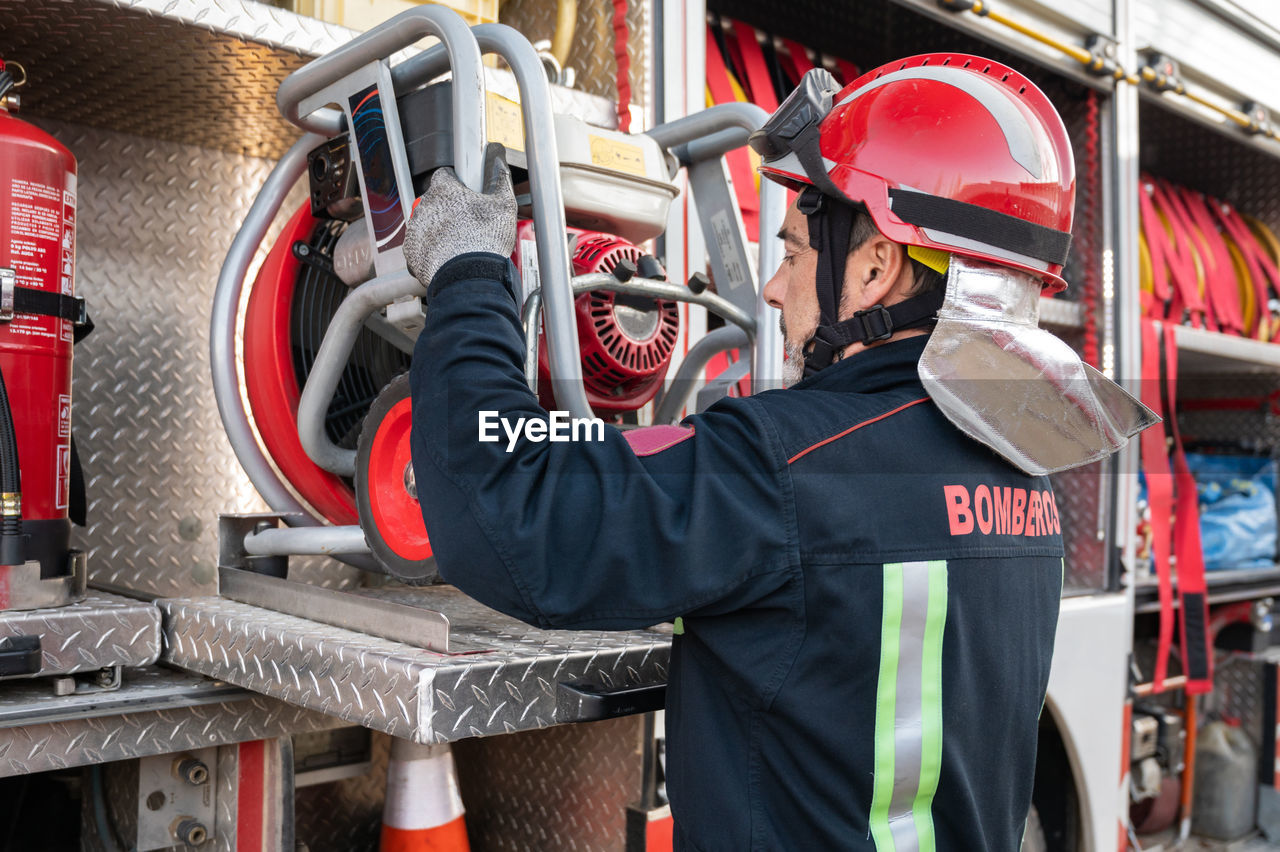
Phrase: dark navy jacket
x=868 y=597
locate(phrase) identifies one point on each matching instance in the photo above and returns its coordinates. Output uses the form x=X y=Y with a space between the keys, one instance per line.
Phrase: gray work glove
x=449 y=219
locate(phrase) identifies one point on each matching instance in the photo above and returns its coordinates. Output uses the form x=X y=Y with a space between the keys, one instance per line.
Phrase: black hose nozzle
x=12 y=547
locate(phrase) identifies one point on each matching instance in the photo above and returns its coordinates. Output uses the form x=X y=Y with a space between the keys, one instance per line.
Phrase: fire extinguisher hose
x=11 y=546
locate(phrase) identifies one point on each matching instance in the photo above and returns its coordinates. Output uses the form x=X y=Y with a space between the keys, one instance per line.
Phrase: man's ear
x=879 y=265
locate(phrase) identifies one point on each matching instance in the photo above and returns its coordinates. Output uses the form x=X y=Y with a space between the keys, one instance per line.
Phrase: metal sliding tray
x=102 y=631
x=497 y=676
x=153 y=711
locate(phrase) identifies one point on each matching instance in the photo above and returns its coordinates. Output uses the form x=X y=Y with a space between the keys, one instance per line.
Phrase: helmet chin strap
x=830 y=226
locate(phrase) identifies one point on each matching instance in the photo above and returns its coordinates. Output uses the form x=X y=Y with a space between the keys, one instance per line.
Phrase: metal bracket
x=1162 y=73
x=8 y=285
x=232 y=530
x=1104 y=50
x=316 y=261
x=177 y=797
x=731 y=265
x=719 y=387
x=26 y=590
x=1261 y=123
x=417 y=626
x=106 y=679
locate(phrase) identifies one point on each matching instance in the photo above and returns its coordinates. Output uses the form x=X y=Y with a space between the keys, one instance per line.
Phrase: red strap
x=758 y=83
x=1262 y=269
x=1219 y=272
x=744 y=186
x=732 y=54
x=848 y=71
x=1155 y=469
x=1180 y=257
x=1087 y=229
x=1193 y=612
x=622 y=57
x=800 y=61
x=1158 y=248
x=717 y=73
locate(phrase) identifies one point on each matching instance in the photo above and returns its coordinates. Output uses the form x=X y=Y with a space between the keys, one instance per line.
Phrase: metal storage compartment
x=170 y=110
x=169 y=105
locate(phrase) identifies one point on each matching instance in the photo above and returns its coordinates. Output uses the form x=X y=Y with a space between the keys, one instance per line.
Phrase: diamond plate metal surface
x=346 y=815
x=102 y=630
x=592 y=52
x=120 y=793
x=201 y=72
x=228 y=800
x=27 y=702
x=122 y=733
x=500 y=676
x=565 y=788
x=1080 y=496
x=1237 y=693
x=155 y=222
x=205 y=72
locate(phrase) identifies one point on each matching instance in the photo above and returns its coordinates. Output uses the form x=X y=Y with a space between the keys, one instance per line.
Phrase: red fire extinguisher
x=38 y=317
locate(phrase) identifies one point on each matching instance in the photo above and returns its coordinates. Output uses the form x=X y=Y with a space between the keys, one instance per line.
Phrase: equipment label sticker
x=734 y=263
x=68 y=263
x=529 y=277
x=62 y=476
x=503 y=121
x=64 y=415
x=35 y=235
x=617 y=156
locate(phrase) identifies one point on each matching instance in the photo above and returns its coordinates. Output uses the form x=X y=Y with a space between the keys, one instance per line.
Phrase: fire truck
x=217 y=626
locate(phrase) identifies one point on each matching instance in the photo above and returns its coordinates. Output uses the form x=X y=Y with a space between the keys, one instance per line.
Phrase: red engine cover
x=37 y=241
x=626 y=343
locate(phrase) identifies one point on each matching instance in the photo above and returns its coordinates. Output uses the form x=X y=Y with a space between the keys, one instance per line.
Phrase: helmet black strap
x=874 y=324
x=830 y=223
x=830 y=228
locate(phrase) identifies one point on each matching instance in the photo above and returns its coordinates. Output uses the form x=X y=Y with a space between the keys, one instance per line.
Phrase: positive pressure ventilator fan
x=626 y=343
x=345 y=460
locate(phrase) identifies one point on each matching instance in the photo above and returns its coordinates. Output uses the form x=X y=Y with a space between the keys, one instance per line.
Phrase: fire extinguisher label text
x=62 y=477
x=64 y=415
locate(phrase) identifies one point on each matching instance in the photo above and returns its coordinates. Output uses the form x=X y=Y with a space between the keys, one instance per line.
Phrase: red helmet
x=944 y=150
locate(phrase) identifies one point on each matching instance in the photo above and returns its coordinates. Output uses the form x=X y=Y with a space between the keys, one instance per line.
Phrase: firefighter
x=863 y=569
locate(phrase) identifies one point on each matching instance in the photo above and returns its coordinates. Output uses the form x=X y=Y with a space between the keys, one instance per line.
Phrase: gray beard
x=793 y=366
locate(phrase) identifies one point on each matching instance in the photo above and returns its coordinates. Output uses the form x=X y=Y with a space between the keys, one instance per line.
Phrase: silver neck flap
x=1004 y=381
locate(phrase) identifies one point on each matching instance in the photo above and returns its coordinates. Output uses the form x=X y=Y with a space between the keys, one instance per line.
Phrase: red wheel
x=386 y=494
x=271 y=380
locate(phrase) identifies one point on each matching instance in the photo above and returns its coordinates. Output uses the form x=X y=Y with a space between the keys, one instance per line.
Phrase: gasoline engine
x=39 y=316
x=625 y=341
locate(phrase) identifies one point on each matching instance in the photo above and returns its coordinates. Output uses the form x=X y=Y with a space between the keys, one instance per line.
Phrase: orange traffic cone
x=423 y=810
